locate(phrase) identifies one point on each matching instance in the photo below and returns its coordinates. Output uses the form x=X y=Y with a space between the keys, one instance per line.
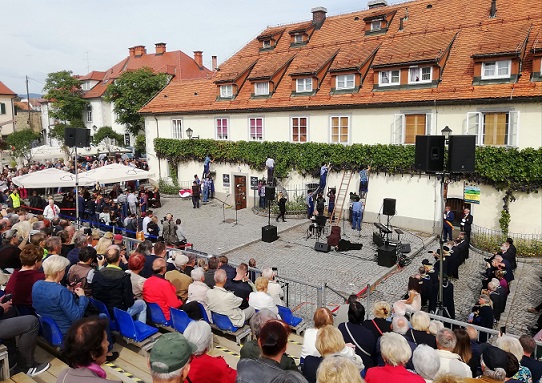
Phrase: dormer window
x=346 y=81
x=303 y=85
x=298 y=38
x=261 y=88
x=496 y=69
x=419 y=75
x=389 y=77
x=226 y=91
x=266 y=44
x=376 y=25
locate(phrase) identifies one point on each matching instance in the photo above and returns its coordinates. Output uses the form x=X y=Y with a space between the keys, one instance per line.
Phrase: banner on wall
x=471 y=193
x=254 y=183
x=226 y=180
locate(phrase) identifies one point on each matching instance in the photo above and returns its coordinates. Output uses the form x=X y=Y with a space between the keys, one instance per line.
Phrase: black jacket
x=112 y=286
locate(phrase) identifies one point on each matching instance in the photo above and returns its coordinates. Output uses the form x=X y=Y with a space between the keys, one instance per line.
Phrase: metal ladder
x=340 y=198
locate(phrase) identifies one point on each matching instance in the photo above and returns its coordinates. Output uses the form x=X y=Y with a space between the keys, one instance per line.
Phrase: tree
x=107 y=135
x=66 y=97
x=21 y=143
x=130 y=92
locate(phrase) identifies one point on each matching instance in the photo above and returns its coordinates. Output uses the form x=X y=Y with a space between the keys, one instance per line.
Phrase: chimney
x=493 y=9
x=132 y=51
x=214 y=63
x=318 y=16
x=198 y=58
x=377 y=4
x=140 y=50
x=160 y=48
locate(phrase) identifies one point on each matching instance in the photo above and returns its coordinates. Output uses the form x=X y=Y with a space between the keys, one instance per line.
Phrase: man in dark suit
x=466 y=223
x=528 y=344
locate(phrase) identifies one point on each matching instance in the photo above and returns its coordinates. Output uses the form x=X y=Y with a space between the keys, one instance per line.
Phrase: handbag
x=353 y=340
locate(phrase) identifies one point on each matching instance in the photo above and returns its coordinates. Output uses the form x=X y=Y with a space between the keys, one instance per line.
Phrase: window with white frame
x=303 y=85
x=256 y=128
x=496 y=128
x=419 y=74
x=389 y=77
x=221 y=128
x=345 y=81
x=496 y=69
x=298 y=38
x=261 y=88
x=376 y=25
x=89 y=113
x=177 y=129
x=340 y=127
x=409 y=125
x=299 y=129
x=226 y=91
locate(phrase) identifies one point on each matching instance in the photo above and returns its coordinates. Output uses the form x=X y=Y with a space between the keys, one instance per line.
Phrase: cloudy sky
x=39 y=37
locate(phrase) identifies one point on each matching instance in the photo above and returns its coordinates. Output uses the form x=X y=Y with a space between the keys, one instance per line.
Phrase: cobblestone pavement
x=345 y=272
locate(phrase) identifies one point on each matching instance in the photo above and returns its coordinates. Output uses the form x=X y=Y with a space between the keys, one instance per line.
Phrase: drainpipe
x=158 y=136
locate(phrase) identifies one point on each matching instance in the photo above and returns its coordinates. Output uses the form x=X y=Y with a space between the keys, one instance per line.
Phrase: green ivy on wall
x=503 y=168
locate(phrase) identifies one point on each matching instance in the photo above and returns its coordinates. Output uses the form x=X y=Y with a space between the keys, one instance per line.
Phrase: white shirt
x=146 y=221
x=51 y=212
x=131 y=199
x=450 y=363
x=270 y=163
x=275 y=291
x=260 y=300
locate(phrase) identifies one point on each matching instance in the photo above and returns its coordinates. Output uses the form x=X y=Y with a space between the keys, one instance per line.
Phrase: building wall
x=23 y=122
x=8 y=116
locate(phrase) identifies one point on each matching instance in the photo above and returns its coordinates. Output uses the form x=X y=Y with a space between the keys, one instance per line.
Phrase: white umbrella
x=46 y=152
x=51 y=177
x=113 y=173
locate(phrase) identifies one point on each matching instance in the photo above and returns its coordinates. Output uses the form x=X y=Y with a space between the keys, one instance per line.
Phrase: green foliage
x=66 y=96
x=57 y=132
x=491 y=243
x=140 y=143
x=167 y=188
x=107 y=132
x=21 y=142
x=504 y=221
x=130 y=92
x=502 y=168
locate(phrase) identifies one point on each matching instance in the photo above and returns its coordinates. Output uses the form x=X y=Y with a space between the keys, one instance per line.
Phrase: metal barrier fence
x=491 y=233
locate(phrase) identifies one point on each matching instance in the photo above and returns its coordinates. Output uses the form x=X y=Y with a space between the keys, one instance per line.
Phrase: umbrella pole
x=76 y=192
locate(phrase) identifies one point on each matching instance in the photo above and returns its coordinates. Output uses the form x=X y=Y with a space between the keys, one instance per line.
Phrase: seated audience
x=528 y=344
x=341 y=314
x=355 y=333
x=474 y=363
x=82 y=273
x=135 y=265
x=494 y=362
x=338 y=369
x=464 y=350
x=180 y=280
x=80 y=240
x=260 y=299
x=273 y=289
x=203 y=367
x=211 y=265
x=414 y=301
x=157 y=289
x=50 y=298
x=21 y=281
x=239 y=285
x=197 y=291
x=419 y=333
x=169 y=359
x=85 y=350
x=322 y=317
x=223 y=264
x=426 y=362
x=379 y=324
x=450 y=362
x=513 y=346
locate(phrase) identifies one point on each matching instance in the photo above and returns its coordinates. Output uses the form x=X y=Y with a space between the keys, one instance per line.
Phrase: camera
x=100 y=257
x=87 y=231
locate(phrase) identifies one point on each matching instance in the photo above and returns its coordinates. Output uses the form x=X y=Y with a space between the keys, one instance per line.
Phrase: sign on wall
x=254 y=183
x=471 y=193
x=226 y=180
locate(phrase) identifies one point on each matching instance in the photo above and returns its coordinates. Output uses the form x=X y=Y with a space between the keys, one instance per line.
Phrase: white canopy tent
x=117 y=173
x=46 y=152
x=52 y=177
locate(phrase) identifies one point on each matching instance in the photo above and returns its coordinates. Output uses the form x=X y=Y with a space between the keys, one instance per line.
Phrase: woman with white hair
x=259 y=299
x=52 y=299
x=203 y=367
x=396 y=353
x=419 y=332
x=273 y=288
x=426 y=362
x=513 y=346
x=338 y=369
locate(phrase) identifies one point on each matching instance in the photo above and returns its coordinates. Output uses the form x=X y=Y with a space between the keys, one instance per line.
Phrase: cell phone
x=7 y=298
x=503 y=330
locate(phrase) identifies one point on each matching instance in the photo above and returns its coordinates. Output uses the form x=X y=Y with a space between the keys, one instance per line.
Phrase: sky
x=40 y=37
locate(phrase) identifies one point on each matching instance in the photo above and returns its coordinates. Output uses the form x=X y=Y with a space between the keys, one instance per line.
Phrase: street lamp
x=189 y=133
x=446 y=132
x=94 y=128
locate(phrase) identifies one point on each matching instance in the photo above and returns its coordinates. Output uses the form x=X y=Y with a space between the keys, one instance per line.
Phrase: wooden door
x=240 y=192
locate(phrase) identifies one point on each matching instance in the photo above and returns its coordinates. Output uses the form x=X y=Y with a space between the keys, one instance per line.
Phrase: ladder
x=340 y=198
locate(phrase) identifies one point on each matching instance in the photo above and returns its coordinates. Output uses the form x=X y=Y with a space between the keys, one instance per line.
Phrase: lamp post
x=189 y=133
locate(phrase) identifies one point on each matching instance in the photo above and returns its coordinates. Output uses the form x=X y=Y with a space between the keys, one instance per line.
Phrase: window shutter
x=513 y=128
x=2 y=108
x=473 y=125
x=398 y=125
x=428 y=123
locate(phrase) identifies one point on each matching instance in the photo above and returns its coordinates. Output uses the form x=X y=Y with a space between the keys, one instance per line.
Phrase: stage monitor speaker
x=322 y=247
x=377 y=239
x=387 y=256
x=79 y=137
x=269 y=193
x=405 y=248
x=461 y=154
x=429 y=153
x=389 y=206
x=269 y=233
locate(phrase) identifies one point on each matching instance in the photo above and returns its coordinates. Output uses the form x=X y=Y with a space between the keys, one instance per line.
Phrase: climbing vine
x=504 y=220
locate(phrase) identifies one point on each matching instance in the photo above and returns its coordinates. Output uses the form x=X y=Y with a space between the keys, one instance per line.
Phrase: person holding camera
x=169 y=230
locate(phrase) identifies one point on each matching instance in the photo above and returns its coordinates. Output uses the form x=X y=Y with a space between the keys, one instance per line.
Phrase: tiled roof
x=4 y=90
x=450 y=30
x=175 y=63
x=310 y=61
x=268 y=66
x=94 y=75
x=22 y=105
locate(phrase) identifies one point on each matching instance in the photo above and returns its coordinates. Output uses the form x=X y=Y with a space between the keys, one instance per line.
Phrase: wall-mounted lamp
x=446 y=132
x=189 y=133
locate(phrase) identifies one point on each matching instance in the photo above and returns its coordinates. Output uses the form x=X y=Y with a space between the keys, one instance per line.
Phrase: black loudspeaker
x=387 y=256
x=461 y=154
x=322 y=247
x=389 y=206
x=79 y=137
x=405 y=248
x=378 y=240
x=269 y=193
x=269 y=233
x=429 y=153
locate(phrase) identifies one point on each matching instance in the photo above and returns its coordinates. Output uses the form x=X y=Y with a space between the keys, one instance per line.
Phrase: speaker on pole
x=389 y=206
x=429 y=153
x=461 y=154
x=79 y=137
x=269 y=193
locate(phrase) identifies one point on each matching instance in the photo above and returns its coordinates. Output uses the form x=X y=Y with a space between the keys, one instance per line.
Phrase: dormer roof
x=353 y=57
x=312 y=61
x=501 y=39
x=268 y=67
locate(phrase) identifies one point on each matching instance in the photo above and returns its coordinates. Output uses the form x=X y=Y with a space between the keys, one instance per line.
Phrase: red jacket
x=158 y=290
x=20 y=285
x=389 y=374
x=208 y=369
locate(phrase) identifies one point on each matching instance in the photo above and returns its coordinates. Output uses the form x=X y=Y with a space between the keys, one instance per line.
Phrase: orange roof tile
x=501 y=38
x=428 y=31
x=268 y=66
x=22 y=105
x=94 y=75
x=5 y=91
x=310 y=61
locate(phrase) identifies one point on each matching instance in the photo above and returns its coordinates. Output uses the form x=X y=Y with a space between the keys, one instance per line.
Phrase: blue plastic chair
x=203 y=312
x=102 y=309
x=157 y=315
x=50 y=330
x=223 y=322
x=180 y=319
x=288 y=317
x=132 y=329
